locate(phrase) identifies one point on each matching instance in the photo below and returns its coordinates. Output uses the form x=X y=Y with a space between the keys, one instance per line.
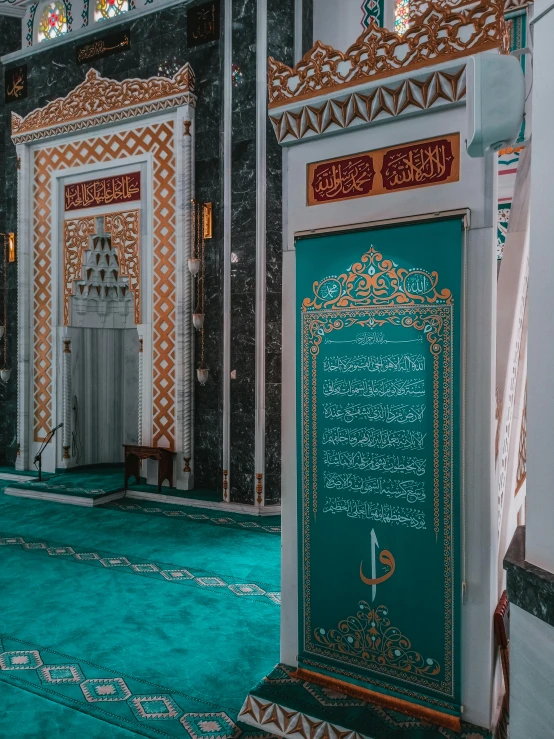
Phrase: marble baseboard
x=67 y=499
x=252 y=510
x=529 y=587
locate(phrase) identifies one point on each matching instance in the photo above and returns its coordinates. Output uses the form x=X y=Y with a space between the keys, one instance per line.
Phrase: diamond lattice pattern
x=157 y=139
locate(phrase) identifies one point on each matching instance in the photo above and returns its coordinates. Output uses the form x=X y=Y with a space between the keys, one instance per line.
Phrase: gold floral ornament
x=377 y=281
x=369 y=636
x=440 y=33
x=99 y=99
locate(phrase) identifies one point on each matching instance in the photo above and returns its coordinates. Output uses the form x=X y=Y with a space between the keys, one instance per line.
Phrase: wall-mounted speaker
x=495 y=103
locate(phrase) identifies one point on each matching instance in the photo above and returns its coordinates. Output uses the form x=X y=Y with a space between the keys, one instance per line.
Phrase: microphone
x=58 y=427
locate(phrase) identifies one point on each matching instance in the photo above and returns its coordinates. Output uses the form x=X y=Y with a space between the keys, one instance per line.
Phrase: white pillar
x=540 y=400
x=66 y=400
x=140 y=381
x=186 y=319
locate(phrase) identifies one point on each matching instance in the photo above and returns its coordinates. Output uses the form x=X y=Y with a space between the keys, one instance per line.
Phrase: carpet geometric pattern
x=268 y=524
x=102 y=639
x=155 y=570
x=148 y=709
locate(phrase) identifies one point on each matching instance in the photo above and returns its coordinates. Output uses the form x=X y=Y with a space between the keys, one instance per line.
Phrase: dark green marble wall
x=156 y=39
x=10 y=40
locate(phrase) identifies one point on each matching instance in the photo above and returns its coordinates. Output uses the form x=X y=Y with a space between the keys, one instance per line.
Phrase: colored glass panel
x=402 y=16
x=53 y=21
x=110 y=9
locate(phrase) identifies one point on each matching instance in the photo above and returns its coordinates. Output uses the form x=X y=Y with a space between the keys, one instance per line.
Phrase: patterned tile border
x=215 y=519
x=294 y=708
x=161 y=571
x=137 y=705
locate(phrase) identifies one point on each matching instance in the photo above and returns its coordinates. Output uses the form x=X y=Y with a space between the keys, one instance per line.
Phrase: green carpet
x=155 y=624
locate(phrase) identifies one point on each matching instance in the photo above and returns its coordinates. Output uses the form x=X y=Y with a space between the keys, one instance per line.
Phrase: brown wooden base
x=386 y=701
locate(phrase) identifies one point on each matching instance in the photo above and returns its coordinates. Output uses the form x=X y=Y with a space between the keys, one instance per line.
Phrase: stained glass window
x=110 y=8
x=53 y=21
x=402 y=16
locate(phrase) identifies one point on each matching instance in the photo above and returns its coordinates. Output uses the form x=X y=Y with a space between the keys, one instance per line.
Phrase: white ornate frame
x=161 y=105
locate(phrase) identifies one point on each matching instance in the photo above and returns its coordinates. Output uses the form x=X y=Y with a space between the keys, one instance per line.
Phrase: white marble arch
x=182 y=117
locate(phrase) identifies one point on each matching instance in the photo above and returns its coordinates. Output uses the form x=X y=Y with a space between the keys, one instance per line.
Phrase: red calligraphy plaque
x=416 y=165
x=342 y=178
x=123 y=188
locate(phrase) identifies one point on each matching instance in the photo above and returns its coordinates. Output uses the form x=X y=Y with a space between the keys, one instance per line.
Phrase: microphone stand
x=38 y=457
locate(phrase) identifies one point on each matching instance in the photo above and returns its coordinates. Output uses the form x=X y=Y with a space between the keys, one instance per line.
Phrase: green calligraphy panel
x=379 y=457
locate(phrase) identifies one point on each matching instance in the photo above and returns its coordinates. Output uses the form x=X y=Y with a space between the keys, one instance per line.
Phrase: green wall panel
x=378 y=331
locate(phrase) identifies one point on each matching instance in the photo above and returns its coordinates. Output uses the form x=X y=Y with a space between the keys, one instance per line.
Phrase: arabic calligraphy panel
x=378 y=461
x=114 y=43
x=104 y=191
x=15 y=84
x=419 y=164
x=203 y=24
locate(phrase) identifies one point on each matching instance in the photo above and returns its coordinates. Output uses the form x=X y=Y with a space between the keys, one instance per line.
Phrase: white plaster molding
x=184 y=441
x=371 y=103
x=14 y=11
x=512 y=302
x=24 y=307
x=140 y=389
x=66 y=401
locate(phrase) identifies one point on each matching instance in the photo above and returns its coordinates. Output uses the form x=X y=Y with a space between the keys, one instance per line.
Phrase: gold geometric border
x=390 y=99
x=315 y=322
x=439 y=34
x=76 y=235
x=125 y=234
x=157 y=139
x=101 y=99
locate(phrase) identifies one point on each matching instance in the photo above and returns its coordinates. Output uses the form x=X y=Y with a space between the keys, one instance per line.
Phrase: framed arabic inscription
x=203 y=24
x=379 y=462
x=15 y=84
x=114 y=43
x=417 y=164
x=105 y=191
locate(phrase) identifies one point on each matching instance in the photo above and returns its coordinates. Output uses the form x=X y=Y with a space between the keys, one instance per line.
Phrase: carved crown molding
x=100 y=100
x=441 y=33
x=419 y=93
x=510 y=5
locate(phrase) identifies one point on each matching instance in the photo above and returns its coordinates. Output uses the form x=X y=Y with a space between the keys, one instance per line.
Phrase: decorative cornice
x=418 y=93
x=511 y=5
x=99 y=100
x=439 y=34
